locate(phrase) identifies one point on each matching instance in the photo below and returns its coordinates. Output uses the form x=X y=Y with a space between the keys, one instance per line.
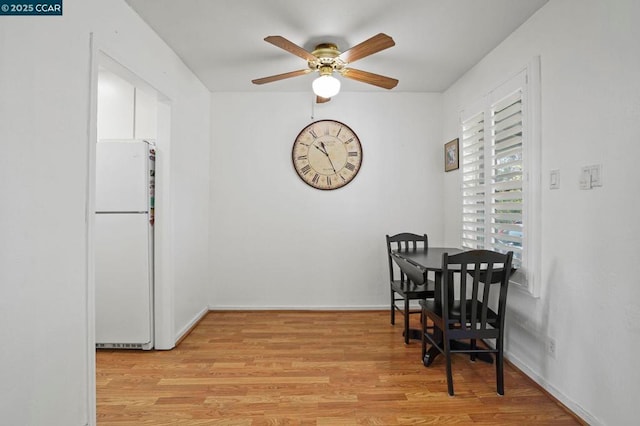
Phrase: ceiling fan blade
x=277 y=77
x=321 y=100
x=368 y=47
x=370 y=78
x=290 y=47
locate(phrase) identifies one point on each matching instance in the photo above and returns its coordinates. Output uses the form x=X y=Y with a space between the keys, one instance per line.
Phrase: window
x=500 y=173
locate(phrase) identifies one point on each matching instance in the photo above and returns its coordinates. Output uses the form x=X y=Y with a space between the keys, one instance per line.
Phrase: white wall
x=278 y=243
x=590 y=239
x=46 y=361
x=43 y=163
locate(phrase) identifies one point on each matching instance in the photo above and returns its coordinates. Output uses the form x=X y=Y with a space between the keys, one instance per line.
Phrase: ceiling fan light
x=326 y=86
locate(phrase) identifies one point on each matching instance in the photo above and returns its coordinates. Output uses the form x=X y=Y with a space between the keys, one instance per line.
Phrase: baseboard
x=297 y=308
x=191 y=325
x=571 y=406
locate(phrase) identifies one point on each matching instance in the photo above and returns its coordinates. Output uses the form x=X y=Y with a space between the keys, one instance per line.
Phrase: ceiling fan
x=327 y=59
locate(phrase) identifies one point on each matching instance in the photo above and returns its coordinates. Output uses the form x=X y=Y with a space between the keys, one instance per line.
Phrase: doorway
x=130 y=108
x=135 y=111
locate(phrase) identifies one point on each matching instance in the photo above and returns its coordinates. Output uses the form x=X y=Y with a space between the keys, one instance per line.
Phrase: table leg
x=414 y=334
x=429 y=355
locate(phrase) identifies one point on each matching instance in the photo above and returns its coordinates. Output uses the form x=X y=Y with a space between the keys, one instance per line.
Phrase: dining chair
x=479 y=278
x=402 y=287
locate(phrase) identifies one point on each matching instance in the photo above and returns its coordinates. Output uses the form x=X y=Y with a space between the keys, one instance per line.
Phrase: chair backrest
x=404 y=242
x=477 y=277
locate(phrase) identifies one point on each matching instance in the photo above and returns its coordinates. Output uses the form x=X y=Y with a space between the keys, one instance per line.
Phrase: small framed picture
x=451 y=157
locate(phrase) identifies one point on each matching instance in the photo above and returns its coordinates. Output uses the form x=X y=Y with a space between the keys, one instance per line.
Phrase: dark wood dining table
x=430 y=260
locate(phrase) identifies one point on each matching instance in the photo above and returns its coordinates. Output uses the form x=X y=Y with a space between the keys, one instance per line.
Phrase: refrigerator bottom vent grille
x=119 y=345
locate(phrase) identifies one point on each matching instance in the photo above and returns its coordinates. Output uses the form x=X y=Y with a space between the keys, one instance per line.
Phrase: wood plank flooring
x=307 y=368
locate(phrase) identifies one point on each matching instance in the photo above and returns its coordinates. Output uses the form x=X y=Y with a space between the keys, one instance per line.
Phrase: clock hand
x=332 y=166
x=323 y=150
x=331 y=162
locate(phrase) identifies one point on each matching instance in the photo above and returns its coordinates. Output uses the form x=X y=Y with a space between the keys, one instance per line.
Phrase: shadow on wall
x=528 y=333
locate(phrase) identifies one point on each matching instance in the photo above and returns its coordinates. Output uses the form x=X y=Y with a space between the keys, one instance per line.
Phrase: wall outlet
x=551 y=347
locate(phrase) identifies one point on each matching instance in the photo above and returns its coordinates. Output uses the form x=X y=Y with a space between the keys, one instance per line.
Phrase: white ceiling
x=437 y=41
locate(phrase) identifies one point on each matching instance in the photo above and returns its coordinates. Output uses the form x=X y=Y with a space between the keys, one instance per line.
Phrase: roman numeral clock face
x=327 y=154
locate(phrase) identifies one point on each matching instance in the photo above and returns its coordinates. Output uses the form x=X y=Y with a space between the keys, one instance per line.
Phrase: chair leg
x=499 y=370
x=473 y=348
x=423 y=322
x=406 y=320
x=447 y=355
x=393 y=308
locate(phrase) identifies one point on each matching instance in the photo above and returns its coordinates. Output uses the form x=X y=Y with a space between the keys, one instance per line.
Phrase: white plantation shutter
x=473 y=182
x=498 y=153
x=505 y=225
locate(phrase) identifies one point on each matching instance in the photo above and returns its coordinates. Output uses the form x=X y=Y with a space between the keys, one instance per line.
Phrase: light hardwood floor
x=307 y=368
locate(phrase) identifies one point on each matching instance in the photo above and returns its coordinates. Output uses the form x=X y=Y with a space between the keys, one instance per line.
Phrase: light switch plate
x=596 y=175
x=554 y=179
x=585 y=178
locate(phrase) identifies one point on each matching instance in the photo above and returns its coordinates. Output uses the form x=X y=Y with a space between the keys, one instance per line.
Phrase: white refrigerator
x=125 y=188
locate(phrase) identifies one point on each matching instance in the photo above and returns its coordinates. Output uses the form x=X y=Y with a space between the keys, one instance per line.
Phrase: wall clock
x=327 y=154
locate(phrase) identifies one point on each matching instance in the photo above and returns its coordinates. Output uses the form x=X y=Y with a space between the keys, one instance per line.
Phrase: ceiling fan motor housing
x=327 y=60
